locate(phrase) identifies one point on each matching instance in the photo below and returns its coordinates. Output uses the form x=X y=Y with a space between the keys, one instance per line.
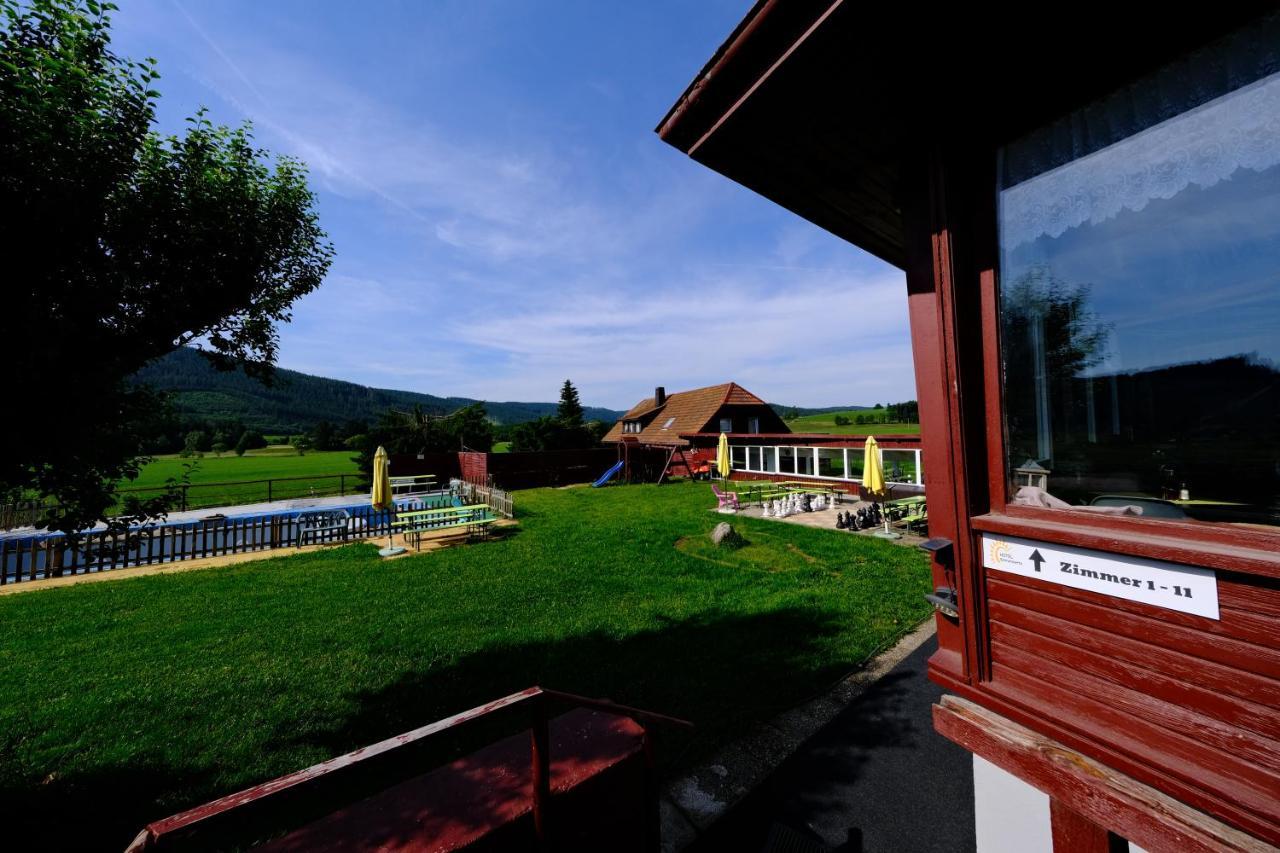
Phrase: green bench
x=474 y=517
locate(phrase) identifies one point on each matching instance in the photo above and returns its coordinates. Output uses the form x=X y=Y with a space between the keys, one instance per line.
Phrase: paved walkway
x=876 y=779
x=826 y=519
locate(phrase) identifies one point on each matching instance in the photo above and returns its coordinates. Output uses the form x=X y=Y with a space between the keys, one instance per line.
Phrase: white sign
x=1184 y=588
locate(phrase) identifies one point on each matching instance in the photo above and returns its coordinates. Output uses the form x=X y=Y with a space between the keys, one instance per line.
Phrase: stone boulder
x=725 y=536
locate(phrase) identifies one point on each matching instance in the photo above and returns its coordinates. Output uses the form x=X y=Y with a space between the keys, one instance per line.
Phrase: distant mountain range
x=297 y=401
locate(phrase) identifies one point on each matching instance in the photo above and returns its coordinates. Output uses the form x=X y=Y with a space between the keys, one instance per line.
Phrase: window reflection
x=1140 y=294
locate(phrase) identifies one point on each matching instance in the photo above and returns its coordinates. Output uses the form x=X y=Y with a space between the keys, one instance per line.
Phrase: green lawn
x=502 y=447
x=265 y=464
x=124 y=701
x=827 y=423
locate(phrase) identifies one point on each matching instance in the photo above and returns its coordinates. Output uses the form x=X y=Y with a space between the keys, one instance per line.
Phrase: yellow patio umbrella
x=380 y=496
x=722 y=457
x=873 y=480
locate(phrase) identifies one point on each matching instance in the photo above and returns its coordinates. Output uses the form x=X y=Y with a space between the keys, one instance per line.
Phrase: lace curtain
x=1196 y=121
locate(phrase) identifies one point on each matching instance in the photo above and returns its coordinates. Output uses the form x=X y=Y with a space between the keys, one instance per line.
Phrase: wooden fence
x=531 y=470
x=497 y=500
x=50 y=555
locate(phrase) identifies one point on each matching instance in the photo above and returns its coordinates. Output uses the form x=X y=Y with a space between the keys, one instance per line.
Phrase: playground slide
x=607 y=475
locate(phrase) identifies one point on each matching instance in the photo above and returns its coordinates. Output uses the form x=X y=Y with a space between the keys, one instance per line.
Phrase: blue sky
x=503 y=214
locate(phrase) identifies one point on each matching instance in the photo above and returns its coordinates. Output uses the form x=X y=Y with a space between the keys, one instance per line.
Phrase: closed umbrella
x=381 y=498
x=873 y=480
x=722 y=457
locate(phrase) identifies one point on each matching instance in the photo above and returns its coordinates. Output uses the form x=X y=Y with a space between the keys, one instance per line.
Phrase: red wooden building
x=1087 y=213
x=687 y=425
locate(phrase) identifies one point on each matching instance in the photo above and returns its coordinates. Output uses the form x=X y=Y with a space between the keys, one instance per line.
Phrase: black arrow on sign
x=1037 y=559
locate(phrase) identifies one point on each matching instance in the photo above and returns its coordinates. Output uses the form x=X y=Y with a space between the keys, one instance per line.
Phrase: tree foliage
x=566 y=431
x=569 y=411
x=1073 y=336
x=417 y=431
x=122 y=244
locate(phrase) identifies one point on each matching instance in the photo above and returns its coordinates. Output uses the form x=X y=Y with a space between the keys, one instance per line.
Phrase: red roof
x=682 y=412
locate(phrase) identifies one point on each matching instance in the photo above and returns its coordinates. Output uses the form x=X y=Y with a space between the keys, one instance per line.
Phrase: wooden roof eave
x=788 y=108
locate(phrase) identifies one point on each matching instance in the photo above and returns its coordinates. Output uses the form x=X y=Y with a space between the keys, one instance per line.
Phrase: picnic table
x=323 y=524
x=476 y=518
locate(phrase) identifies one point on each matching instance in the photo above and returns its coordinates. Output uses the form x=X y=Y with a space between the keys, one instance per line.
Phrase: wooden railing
x=234 y=820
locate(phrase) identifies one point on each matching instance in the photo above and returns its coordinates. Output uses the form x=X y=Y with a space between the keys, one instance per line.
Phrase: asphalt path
x=876 y=779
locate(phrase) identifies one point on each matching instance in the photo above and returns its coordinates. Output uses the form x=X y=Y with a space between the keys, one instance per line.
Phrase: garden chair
x=725 y=500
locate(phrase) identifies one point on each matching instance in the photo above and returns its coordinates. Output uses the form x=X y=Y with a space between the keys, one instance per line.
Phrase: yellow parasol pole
x=722 y=457
x=873 y=481
x=380 y=497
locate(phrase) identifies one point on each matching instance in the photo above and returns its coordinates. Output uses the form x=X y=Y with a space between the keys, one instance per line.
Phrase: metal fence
x=49 y=555
x=237 y=492
x=52 y=555
x=210 y=495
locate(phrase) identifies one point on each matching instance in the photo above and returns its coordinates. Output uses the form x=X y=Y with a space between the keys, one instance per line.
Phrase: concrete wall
x=1010 y=815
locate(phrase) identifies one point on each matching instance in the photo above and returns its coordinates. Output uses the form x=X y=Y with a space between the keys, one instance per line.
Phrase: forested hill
x=297 y=401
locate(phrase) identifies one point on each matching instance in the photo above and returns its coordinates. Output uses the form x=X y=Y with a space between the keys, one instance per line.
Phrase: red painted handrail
x=164 y=834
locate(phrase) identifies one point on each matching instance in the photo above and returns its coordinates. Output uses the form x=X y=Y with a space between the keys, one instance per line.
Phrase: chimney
x=659 y=396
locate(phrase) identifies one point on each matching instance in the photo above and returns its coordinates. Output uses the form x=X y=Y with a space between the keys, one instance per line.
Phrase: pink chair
x=726 y=500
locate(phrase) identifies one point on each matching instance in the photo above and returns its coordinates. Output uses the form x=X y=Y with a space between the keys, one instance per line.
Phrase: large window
x=786 y=460
x=899 y=465
x=1140 y=294
x=804 y=461
x=738 y=458
x=831 y=462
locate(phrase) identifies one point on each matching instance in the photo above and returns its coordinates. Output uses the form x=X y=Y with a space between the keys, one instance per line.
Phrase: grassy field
x=827 y=423
x=265 y=464
x=124 y=701
x=502 y=447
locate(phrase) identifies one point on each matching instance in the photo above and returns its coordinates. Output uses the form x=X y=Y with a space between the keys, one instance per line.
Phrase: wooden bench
x=412 y=485
x=474 y=517
x=316 y=523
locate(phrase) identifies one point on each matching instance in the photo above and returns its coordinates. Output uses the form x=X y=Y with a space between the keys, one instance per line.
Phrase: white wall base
x=1010 y=815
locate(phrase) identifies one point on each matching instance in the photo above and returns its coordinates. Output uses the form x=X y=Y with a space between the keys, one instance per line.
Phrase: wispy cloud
x=494 y=256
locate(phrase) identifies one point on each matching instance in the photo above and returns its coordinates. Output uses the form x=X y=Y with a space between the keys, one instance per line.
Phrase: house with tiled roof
x=676 y=435
x=686 y=425
x=672 y=419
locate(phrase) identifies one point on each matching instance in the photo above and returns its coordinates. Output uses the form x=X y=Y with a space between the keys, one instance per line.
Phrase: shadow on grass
x=723 y=672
